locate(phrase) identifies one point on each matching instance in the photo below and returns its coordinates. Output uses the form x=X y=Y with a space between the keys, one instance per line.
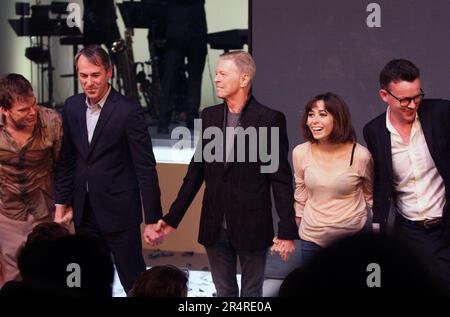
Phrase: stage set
x=301 y=48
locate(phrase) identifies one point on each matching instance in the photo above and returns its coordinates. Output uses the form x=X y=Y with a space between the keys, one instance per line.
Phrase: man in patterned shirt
x=30 y=141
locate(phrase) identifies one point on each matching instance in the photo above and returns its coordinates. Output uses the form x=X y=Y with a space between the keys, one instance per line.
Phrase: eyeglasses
x=404 y=102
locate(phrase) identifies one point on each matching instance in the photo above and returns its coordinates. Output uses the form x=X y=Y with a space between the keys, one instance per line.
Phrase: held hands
x=154 y=233
x=375 y=227
x=165 y=228
x=63 y=215
x=283 y=247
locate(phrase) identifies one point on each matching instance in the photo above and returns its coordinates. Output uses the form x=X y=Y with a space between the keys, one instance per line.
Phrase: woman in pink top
x=333 y=176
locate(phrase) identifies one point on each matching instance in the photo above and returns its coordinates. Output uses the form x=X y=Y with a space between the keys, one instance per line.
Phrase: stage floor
x=200 y=280
x=200 y=285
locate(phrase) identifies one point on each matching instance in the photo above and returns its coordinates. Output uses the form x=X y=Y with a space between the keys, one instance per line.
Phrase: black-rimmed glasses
x=404 y=102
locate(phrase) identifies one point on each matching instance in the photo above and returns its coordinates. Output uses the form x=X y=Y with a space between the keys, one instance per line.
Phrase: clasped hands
x=155 y=233
x=63 y=215
x=283 y=247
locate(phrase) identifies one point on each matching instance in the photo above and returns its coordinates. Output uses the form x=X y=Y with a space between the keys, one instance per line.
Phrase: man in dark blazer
x=236 y=219
x=107 y=168
x=410 y=146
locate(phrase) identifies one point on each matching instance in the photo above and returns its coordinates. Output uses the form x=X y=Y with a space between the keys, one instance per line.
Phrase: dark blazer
x=239 y=190
x=434 y=117
x=118 y=165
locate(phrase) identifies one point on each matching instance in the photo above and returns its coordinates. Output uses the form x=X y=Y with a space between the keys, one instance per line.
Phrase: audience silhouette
x=161 y=281
x=365 y=264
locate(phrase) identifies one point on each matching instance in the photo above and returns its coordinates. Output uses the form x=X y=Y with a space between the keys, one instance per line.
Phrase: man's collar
x=246 y=103
x=389 y=124
x=102 y=101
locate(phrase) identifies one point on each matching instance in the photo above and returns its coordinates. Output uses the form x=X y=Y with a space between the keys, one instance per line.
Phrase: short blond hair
x=243 y=60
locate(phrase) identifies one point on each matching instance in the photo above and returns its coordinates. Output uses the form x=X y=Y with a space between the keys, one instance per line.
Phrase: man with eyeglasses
x=410 y=146
x=30 y=141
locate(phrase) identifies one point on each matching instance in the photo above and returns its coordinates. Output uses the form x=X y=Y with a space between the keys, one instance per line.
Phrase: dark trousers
x=430 y=246
x=125 y=246
x=195 y=50
x=223 y=261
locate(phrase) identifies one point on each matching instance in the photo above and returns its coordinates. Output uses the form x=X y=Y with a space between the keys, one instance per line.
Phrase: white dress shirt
x=420 y=189
x=93 y=113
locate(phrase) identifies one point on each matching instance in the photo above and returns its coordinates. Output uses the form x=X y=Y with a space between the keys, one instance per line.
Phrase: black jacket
x=434 y=117
x=239 y=190
x=118 y=165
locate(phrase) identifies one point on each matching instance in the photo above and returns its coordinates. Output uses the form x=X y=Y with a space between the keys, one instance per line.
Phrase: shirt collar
x=101 y=103
x=390 y=126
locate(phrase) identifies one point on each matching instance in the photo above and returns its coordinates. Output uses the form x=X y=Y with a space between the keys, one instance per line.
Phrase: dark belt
x=424 y=224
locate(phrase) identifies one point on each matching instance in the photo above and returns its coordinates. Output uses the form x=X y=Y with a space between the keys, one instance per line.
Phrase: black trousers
x=195 y=50
x=125 y=246
x=223 y=257
x=430 y=246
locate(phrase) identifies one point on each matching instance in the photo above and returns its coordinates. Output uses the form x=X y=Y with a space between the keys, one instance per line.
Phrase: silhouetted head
x=77 y=265
x=161 y=281
x=47 y=231
x=367 y=264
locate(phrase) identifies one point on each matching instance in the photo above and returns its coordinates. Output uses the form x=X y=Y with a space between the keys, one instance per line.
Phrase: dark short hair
x=161 y=281
x=96 y=55
x=343 y=131
x=47 y=231
x=46 y=261
x=398 y=70
x=11 y=87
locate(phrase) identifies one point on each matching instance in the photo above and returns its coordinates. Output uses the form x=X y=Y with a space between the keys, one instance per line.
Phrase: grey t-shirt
x=232 y=122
